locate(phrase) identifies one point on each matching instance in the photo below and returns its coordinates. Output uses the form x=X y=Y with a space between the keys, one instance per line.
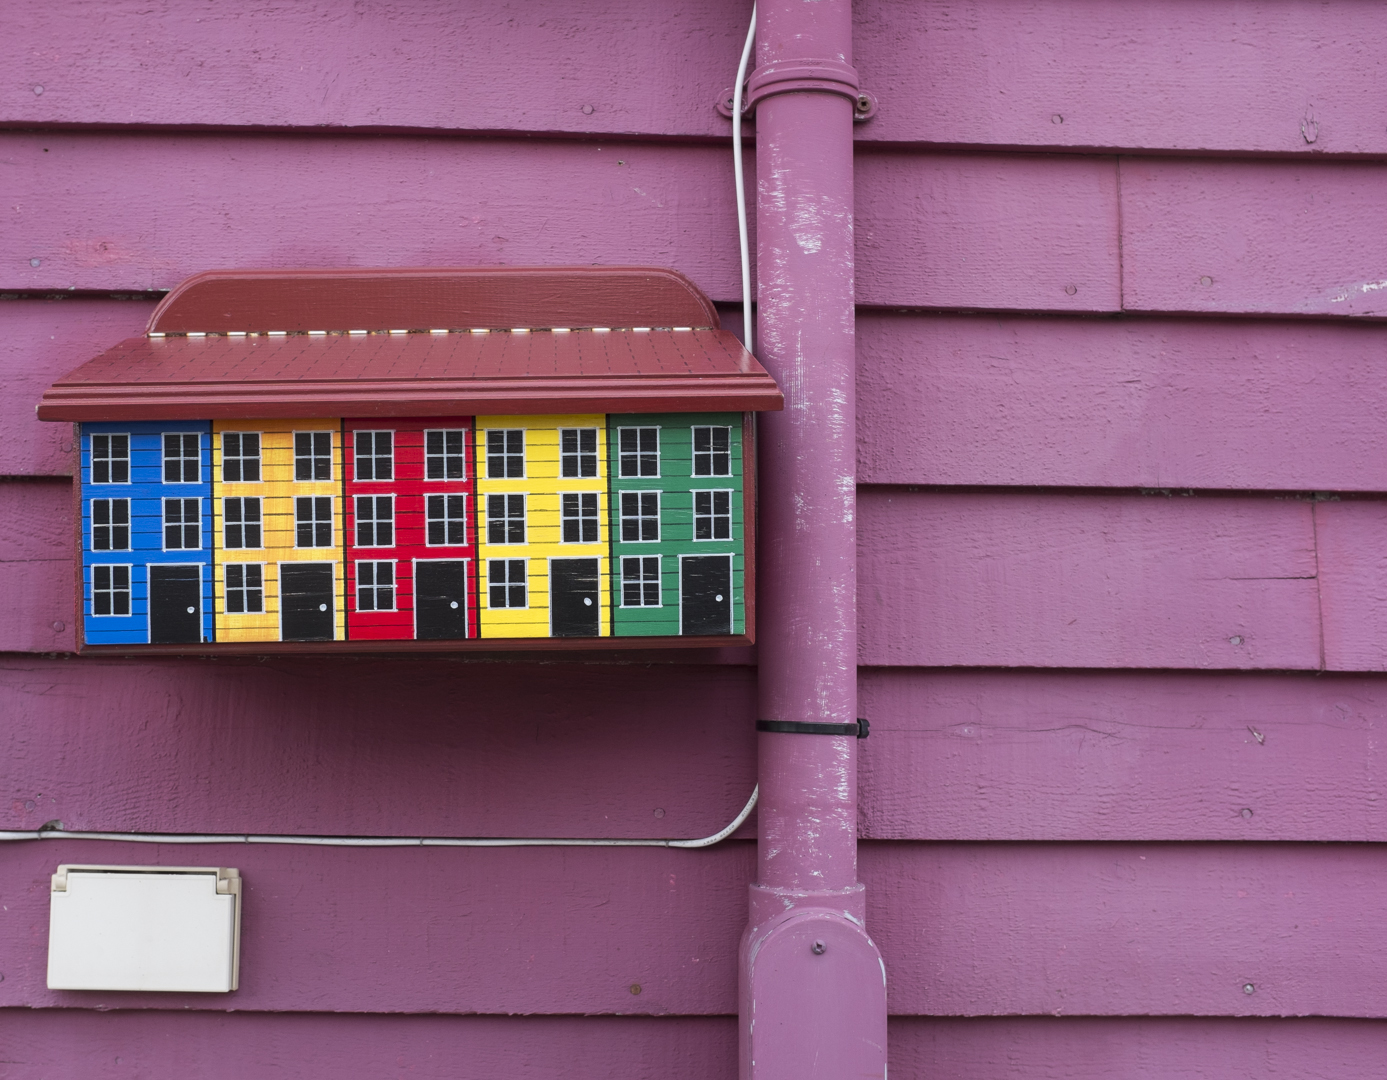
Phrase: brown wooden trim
x=217 y=301
x=506 y=646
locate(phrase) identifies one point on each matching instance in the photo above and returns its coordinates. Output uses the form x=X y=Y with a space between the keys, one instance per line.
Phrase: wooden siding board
x=319 y=1046
x=965 y=929
x=1128 y=929
x=1040 y=580
x=1121 y=756
x=1158 y=76
x=1352 y=541
x=1136 y=1048
x=338 y=747
x=987 y=231
x=1254 y=237
x=1159 y=403
x=38 y=573
x=169 y=1045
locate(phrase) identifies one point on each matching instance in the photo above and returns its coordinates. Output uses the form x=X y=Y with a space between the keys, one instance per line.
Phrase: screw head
x=635 y=988
x=818 y=948
x=1248 y=988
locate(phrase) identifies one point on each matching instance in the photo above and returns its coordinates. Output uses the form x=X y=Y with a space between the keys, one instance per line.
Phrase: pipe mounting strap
x=860 y=728
x=788 y=76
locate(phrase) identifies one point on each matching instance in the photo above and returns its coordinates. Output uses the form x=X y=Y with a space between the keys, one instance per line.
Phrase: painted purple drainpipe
x=813 y=998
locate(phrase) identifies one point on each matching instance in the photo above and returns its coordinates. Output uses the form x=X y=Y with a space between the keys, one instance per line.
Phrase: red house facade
x=411 y=535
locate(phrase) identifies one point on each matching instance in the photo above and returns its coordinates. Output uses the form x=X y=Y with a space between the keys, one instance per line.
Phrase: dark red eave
x=414 y=374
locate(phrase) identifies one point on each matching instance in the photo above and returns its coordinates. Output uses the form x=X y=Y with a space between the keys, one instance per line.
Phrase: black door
x=440 y=600
x=705 y=594
x=305 y=602
x=574 y=610
x=175 y=604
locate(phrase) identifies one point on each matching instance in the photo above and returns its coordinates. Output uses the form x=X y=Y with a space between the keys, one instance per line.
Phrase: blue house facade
x=147 y=532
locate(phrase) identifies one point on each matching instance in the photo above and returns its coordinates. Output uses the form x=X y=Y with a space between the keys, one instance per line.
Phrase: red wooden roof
x=231 y=344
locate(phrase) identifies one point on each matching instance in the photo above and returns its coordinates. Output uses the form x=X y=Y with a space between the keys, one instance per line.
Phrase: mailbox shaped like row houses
x=418 y=459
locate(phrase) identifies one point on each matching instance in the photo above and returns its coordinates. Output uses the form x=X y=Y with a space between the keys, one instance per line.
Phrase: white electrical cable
x=382 y=841
x=741 y=186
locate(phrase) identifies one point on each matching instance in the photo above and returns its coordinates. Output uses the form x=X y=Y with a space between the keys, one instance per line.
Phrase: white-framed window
x=505 y=519
x=506 y=583
x=640 y=516
x=182 y=524
x=577 y=452
x=445 y=454
x=245 y=588
x=638 y=451
x=241 y=457
x=312 y=455
x=374 y=455
x=640 y=581
x=110 y=590
x=110 y=524
x=375 y=521
x=447 y=520
x=182 y=457
x=375 y=586
x=241 y=523
x=578 y=516
x=313 y=521
x=712 y=451
x=110 y=459
x=505 y=454
x=712 y=515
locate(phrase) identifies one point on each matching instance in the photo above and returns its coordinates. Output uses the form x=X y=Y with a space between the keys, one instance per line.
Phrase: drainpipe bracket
x=791 y=76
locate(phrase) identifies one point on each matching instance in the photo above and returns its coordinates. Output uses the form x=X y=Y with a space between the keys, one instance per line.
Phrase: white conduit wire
x=382 y=841
x=741 y=185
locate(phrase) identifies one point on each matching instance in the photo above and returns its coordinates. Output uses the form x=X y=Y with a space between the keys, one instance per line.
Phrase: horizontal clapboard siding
x=334 y=746
x=1159 y=403
x=1037 y=580
x=224 y=1046
x=1155 y=77
x=1121 y=756
x=965 y=929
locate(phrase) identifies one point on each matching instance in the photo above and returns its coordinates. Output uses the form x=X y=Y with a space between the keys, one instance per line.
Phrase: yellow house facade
x=542 y=526
x=277 y=528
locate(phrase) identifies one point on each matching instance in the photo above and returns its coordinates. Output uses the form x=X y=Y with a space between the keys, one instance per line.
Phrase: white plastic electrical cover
x=144 y=928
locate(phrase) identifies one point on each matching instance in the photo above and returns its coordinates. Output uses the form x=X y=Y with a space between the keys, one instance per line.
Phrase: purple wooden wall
x=1123 y=584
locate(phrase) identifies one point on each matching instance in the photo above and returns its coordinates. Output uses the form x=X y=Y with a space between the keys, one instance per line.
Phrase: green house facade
x=677 y=524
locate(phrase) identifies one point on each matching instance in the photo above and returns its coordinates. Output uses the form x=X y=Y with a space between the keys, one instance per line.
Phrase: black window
x=505 y=454
x=447 y=518
x=110 y=524
x=241 y=523
x=578 y=451
x=110 y=459
x=506 y=581
x=312 y=455
x=245 y=588
x=375 y=455
x=712 y=448
x=712 y=515
x=375 y=586
x=110 y=590
x=182 y=524
x=313 y=521
x=445 y=454
x=640 y=581
x=579 y=516
x=639 y=450
x=640 y=516
x=375 y=522
x=182 y=457
x=505 y=519
x=241 y=456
